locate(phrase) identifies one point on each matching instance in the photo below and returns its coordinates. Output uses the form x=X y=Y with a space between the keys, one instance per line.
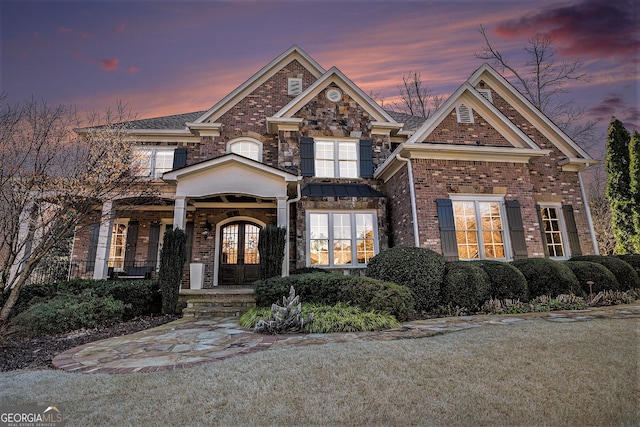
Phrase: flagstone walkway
x=189 y=342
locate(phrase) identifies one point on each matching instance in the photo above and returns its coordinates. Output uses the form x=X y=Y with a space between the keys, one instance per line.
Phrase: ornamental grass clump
x=286 y=318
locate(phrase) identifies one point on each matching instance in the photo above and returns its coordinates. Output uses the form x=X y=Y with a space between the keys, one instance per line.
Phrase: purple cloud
x=596 y=28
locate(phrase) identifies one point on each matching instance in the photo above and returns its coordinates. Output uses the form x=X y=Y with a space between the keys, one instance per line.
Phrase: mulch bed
x=37 y=353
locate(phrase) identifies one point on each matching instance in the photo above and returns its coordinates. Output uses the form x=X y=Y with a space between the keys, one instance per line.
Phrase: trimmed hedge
x=632 y=259
x=547 y=277
x=141 y=297
x=507 y=282
x=420 y=270
x=68 y=312
x=307 y=270
x=625 y=274
x=602 y=278
x=329 y=289
x=465 y=285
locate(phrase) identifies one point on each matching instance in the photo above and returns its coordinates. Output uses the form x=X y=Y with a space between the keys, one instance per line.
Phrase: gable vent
x=294 y=86
x=465 y=115
x=487 y=94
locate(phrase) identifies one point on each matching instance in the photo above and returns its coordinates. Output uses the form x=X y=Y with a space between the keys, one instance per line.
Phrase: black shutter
x=93 y=246
x=154 y=240
x=189 y=245
x=130 y=245
x=180 y=158
x=366 y=158
x=516 y=229
x=447 y=224
x=572 y=230
x=544 y=235
x=307 y=155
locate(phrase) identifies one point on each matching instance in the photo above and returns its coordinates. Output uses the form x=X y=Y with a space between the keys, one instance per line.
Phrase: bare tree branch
x=416 y=99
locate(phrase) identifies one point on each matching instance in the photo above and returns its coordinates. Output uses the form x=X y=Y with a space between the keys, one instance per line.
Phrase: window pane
x=142 y=162
x=247 y=149
x=341 y=252
x=365 y=238
x=230 y=244
x=325 y=168
x=164 y=162
x=347 y=151
x=319 y=252
x=251 y=235
x=118 y=246
x=552 y=230
x=341 y=226
x=348 y=169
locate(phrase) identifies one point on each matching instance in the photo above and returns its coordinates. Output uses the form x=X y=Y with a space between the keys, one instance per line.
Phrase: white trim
x=334 y=75
x=294 y=86
x=246 y=139
x=265 y=73
x=566 y=247
x=486 y=93
x=330 y=238
x=336 y=156
x=485 y=198
x=464 y=114
x=550 y=130
x=219 y=225
x=585 y=201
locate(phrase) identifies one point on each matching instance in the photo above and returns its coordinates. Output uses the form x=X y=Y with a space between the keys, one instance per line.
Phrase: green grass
x=536 y=373
x=338 y=318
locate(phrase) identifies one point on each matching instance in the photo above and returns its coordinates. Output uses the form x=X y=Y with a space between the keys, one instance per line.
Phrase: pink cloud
x=109 y=64
x=133 y=69
x=65 y=30
x=591 y=28
x=121 y=27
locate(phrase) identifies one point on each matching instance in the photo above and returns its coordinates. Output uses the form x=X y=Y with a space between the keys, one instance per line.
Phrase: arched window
x=246 y=147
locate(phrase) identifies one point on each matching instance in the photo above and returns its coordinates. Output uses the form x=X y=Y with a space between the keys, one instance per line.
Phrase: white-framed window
x=481 y=230
x=153 y=161
x=464 y=114
x=249 y=148
x=336 y=158
x=554 y=230
x=118 y=244
x=341 y=238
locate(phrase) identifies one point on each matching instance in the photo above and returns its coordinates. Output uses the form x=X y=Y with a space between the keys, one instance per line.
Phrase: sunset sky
x=170 y=57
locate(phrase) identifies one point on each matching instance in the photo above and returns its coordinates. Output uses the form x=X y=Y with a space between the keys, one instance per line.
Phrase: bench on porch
x=131 y=272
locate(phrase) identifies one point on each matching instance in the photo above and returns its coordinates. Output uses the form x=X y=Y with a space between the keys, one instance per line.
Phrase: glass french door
x=239 y=257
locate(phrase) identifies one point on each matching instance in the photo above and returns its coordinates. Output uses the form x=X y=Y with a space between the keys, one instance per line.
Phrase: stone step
x=199 y=303
x=213 y=312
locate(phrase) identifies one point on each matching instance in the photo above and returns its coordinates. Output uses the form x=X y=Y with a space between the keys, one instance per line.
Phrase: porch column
x=101 y=269
x=283 y=221
x=180 y=213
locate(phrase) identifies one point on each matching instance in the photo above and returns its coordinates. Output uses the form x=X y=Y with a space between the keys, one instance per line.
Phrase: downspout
x=412 y=193
x=285 y=267
x=588 y=212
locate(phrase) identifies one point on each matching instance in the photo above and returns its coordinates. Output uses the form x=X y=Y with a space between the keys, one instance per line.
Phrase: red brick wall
x=449 y=131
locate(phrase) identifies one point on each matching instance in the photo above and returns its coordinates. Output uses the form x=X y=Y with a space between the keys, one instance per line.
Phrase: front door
x=239 y=257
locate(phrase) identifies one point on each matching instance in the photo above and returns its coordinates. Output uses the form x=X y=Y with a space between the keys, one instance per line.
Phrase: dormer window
x=246 y=147
x=294 y=87
x=464 y=113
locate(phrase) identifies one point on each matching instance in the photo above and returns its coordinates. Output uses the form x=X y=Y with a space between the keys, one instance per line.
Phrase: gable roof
x=549 y=129
x=334 y=75
x=468 y=95
x=266 y=72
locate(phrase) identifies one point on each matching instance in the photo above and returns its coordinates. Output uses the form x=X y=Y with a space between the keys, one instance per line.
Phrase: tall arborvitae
x=172 y=259
x=634 y=179
x=619 y=186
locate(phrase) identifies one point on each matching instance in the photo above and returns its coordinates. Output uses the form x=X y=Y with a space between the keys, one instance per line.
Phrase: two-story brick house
x=487 y=176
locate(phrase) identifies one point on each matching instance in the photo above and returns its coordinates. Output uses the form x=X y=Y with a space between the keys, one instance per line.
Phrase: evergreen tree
x=619 y=186
x=172 y=259
x=634 y=179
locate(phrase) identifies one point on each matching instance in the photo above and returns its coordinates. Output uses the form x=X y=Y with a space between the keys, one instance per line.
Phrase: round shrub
x=329 y=289
x=420 y=270
x=625 y=274
x=68 y=312
x=632 y=259
x=547 y=277
x=602 y=278
x=139 y=296
x=465 y=285
x=507 y=282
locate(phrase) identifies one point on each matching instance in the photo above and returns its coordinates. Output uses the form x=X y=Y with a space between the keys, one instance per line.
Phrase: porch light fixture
x=207 y=229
